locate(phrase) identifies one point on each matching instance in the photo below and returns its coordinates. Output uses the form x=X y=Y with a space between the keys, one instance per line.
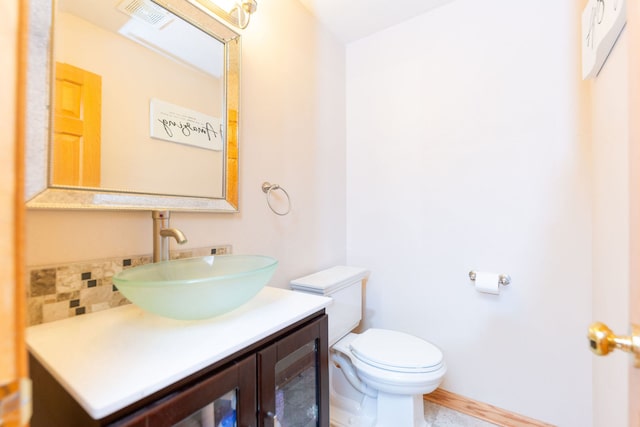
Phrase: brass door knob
x=603 y=341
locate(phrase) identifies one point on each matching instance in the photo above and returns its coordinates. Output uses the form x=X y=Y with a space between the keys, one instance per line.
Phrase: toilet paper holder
x=503 y=279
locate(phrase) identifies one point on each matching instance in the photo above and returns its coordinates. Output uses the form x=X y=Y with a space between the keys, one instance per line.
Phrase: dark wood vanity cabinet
x=283 y=377
x=225 y=398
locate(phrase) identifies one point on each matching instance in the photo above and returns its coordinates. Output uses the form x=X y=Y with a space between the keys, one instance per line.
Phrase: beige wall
x=292 y=133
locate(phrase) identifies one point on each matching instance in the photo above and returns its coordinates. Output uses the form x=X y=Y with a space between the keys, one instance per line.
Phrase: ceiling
x=351 y=20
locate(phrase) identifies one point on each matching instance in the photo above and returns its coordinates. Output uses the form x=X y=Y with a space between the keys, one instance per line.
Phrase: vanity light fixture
x=235 y=12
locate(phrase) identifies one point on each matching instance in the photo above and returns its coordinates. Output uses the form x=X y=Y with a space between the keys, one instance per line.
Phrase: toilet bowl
x=377 y=377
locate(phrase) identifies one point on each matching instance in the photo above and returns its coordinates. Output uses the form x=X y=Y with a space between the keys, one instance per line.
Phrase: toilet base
x=349 y=408
x=400 y=410
x=339 y=417
x=389 y=411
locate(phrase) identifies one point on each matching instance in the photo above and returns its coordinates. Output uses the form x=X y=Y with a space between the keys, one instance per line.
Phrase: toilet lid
x=396 y=351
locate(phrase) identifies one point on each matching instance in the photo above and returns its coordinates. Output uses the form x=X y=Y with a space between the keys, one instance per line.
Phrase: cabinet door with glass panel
x=225 y=399
x=294 y=380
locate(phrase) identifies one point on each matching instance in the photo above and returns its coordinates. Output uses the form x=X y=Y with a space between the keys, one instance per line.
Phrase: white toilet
x=377 y=377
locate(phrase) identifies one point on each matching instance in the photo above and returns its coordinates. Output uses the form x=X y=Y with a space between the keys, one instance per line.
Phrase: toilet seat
x=378 y=370
x=396 y=351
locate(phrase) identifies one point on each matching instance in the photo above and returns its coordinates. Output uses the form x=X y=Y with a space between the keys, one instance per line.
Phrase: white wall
x=610 y=126
x=292 y=133
x=464 y=152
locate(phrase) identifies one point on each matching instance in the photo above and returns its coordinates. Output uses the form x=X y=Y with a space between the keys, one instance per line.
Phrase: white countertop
x=113 y=358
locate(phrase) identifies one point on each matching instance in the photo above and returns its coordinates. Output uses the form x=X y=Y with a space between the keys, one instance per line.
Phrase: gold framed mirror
x=161 y=81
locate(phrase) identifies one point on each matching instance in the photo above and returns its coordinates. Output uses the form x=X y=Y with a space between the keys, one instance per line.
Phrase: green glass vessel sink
x=196 y=288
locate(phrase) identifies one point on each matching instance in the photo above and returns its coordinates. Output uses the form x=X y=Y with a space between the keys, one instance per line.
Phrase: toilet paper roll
x=489 y=283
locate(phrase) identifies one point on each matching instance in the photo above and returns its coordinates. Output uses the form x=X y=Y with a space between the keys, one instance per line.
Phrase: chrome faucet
x=161 y=234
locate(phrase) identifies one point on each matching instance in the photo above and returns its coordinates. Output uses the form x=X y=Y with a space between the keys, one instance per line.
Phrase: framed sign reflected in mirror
x=144 y=108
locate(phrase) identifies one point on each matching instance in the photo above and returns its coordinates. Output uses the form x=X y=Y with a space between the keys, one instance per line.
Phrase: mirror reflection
x=137 y=101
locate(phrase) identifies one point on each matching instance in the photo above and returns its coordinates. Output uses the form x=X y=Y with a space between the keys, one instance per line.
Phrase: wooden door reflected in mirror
x=76 y=127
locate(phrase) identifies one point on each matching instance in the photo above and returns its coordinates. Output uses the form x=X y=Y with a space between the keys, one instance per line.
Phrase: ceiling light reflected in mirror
x=235 y=12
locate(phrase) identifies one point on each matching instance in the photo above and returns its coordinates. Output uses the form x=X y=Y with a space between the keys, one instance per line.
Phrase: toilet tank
x=344 y=286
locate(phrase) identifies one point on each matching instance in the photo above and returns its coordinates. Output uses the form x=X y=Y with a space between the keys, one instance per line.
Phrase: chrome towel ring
x=267 y=188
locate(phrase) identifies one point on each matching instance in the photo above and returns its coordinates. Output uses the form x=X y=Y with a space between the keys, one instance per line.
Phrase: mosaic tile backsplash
x=55 y=292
